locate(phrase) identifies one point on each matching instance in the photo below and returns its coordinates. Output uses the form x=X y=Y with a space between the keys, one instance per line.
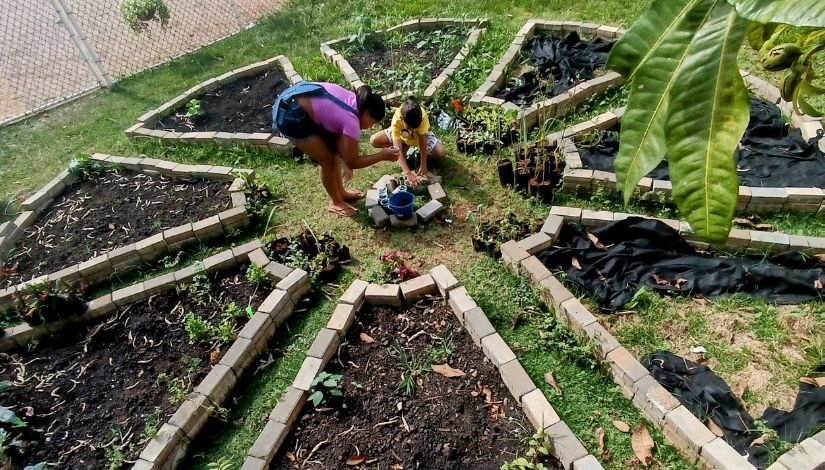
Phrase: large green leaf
x=643 y=127
x=794 y=12
x=708 y=114
x=646 y=34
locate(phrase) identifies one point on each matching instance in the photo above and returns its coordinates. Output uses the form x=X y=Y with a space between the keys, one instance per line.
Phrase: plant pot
x=543 y=190
x=505 y=173
x=523 y=176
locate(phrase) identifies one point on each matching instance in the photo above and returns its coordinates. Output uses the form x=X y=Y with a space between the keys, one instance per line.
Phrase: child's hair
x=370 y=102
x=411 y=113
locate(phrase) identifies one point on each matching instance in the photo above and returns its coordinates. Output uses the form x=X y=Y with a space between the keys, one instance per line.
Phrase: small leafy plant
x=394 y=268
x=138 y=14
x=256 y=274
x=364 y=23
x=539 y=449
x=325 y=388
x=412 y=368
x=193 y=109
x=221 y=464
x=48 y=302
x=197 y=328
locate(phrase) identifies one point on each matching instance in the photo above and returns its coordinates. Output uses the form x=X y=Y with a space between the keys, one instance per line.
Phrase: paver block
x=444 y=280
x=566 y=446
x=307 y=373
x=418 y=288
x=768 y=240
x=253 y=463
x=497 y=350
x=192 y=415
x=429 y=211
x=516 y=379
x=760 y=195
x=478 y=325
x=296 y=283
x=738 y=238
x=719 y=454
x=219 y=262
x=355 y=294
x=569 y=214
x=807 y=455
x=258 y=258
x=289 y=406
x=596 y=218
x=437 y=192
x=587 y=463
x=240 y=355
x=161 y=446
x=686 y=432
x=461 y=302
x=379 y=216
x=325 y=345
x=536 y=243
x=278 y=271
x=259 y=329
x=626 y=370
x=538 y=410
x=342 y=318
x=653 y=400
x=208 y=228
x=268 y=442
x=535 y=269
x=602 y=340
x=100 y=307
x=95 y=268
x=217 y=384
x=371 y=199
x=820 y=437
x=552 y=226
x=128 y=295
x=383 y=294
x=151 y=248
x=577 y=316
x=661 y=186
x=512 y=254
x=179 y=236
x=242 y=252
x=408 y=222
x=554 y=293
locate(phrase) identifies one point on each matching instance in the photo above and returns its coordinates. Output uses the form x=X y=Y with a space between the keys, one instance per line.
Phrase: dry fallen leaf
x=596 y=241
x=600 y=439
x=815 y=381
x=642 y=445
x=576 y=264
x=715 y=429
x=818 y=284
x=820 y=257
x=447 y=371
x=621 y=426
x=701 y=301
x=366 y=338
x=680 y=282
x=356 y=459
x=760 y=440
x=551 y=381
x=660 y=281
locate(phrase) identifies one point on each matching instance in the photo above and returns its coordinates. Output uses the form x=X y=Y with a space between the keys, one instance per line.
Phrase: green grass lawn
x=33 y=151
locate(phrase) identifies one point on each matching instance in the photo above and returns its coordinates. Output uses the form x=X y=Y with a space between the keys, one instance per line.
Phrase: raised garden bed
x=485 y=129
x=115 y=213
x=548 y=38
x=233 y=108
x=413 y=57
x=372 y=420
x=690 y=435
x=758 y=199
x=424 y=212
x=97 y=388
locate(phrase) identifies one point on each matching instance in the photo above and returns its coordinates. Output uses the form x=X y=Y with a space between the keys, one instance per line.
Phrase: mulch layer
x=106 y=211
x=96 y=392
x=470 y=421
x=244 y=105
x=372 y=63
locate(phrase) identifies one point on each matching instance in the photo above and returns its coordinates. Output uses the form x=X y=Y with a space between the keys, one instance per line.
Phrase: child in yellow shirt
x=410 y=127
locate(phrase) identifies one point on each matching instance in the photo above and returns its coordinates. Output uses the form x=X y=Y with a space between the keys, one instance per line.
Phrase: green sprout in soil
x=194 y=109
x=412 y=368
x=325 y=388
x=221 y=464
x=256 y=274
x=538 y=450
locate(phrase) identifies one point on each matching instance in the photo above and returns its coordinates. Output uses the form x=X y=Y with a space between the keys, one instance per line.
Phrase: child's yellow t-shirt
x=400 y=132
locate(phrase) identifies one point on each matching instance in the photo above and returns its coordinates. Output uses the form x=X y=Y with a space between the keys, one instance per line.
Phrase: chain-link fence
x=55 y=50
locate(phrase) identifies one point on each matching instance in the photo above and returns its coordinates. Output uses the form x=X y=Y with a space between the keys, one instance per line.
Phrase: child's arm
x=422 y=149
x=402 y=162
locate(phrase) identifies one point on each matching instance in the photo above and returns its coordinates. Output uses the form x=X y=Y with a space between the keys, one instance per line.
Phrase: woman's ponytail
x=370 y=102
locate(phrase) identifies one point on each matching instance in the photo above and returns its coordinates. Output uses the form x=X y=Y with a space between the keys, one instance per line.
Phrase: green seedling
x=325 y=388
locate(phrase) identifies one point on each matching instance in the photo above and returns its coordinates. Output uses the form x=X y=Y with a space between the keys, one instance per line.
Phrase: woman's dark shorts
x=293 y=122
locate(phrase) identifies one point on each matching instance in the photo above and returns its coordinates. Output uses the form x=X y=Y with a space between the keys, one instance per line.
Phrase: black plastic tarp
x=771 y=153
x=558 y=64
x=647 y=253
x=707 y=396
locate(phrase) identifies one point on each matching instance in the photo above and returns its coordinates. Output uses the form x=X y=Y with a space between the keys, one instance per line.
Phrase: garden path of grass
x=33 y=151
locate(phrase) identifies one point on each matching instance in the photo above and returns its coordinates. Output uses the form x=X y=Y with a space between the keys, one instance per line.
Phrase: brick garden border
x=679 y=426
x=439 y=281
x=424 y=215
x=127 y=257
x=419 y=24
x=557 y=105
x=170 y=445
x=758 y=200
x=269 y=140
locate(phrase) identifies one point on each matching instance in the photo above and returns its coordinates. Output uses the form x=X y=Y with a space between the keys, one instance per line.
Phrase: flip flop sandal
x=358 y=195
x=342 y=212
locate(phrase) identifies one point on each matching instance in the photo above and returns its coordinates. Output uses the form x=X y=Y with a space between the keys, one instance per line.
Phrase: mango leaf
x=646 y=34
x=795 y=12
x=643 y=144
x=708 y=114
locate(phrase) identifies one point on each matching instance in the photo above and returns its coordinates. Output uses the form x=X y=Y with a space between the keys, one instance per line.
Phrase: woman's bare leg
x=347 y=195
x=330 y=173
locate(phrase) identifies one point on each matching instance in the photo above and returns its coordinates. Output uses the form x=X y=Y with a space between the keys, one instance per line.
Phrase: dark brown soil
x=244 y=105
x=111 y=381
x=462 y=422
x=372 y=63
x=106 y=211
